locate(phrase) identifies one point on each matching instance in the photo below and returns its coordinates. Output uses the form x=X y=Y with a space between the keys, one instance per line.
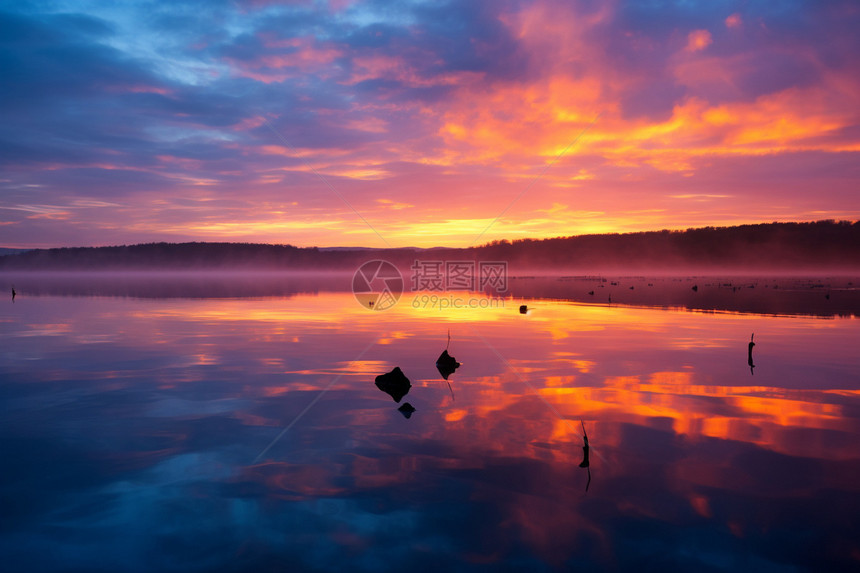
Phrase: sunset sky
x=344 y=123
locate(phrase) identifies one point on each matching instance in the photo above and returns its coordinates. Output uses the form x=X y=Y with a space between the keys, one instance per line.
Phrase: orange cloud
x=698 y=40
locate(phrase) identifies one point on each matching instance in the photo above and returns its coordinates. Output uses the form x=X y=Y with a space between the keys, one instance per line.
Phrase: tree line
x=820 y=244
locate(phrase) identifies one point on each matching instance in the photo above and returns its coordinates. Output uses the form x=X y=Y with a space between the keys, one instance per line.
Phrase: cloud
x=734 y=21
x=698 y=40
x=457 y=102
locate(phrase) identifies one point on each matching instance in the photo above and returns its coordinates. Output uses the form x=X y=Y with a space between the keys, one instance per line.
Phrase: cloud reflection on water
x=136 y=452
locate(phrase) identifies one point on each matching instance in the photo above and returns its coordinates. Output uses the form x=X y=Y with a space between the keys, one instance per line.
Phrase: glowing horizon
x=356 y=124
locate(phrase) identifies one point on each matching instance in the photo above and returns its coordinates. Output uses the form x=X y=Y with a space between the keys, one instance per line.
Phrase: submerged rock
x=406 y=409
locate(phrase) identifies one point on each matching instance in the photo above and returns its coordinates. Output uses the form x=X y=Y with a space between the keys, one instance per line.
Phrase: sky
x=370 y=123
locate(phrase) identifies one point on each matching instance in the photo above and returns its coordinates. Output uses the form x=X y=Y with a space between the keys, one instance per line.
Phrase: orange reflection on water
x=589 y=362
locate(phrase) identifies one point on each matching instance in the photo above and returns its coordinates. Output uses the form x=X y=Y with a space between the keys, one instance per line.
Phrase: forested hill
x=770 y=246
x=816 y=245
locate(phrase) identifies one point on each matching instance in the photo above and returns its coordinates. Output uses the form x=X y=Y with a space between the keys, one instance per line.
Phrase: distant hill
x=770 y=246
x=4 y=251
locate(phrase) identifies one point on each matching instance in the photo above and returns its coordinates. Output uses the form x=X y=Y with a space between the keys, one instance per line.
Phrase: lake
x=228 y=425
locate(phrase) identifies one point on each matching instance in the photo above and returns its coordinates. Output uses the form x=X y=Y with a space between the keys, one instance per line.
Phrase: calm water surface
x=246 y=433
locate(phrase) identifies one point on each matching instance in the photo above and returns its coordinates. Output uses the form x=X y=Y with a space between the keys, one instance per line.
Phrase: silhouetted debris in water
x=406 y=409
x=446 y=364
x=591 y=292
x=394 y=383
x=695 y=288
x=585 y=447
x=749 y=353
x=631 y=288
x=524 y=309
x=827 y=296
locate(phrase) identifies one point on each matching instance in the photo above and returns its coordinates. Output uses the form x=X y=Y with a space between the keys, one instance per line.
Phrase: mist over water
x=826 y=294
x=144 y=416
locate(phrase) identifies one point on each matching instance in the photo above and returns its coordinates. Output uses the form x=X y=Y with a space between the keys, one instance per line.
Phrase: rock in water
x=446 y=364
x=394 y=383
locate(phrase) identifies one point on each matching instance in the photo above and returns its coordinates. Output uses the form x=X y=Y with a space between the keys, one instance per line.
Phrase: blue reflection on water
x=130 y=429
